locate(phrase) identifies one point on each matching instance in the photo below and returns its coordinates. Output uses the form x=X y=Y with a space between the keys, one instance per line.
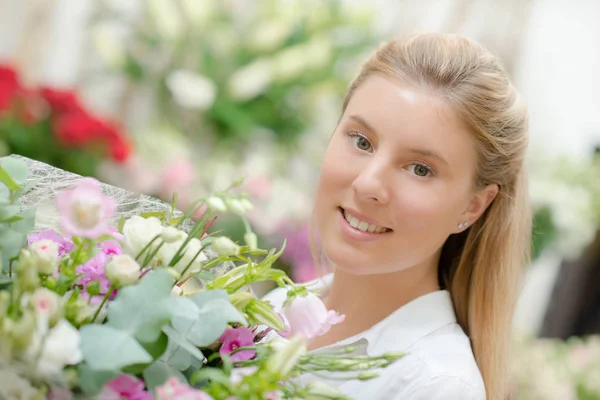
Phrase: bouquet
x=53 y=126
x=106 y=294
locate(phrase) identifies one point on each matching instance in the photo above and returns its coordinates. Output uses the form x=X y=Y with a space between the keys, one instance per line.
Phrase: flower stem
x=104 y=300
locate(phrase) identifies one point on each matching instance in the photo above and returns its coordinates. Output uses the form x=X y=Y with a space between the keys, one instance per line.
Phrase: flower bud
x=171 y=234
x=287 y=355
x=122 y=270
x=318 y=390
x=251 y=240
x=28 y=280
x=261 y=313
x=177 y=291
x=4 y=303
x=216 y=203
x=235 y=206
x=246 y=204
x=225 y=246
x=365 y=376
x=27 y=260
x=240 y=300
x=93 y=288
x=46 y=256
x=23 y=329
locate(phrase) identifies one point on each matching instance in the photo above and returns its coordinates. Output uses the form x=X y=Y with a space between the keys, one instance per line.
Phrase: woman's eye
x=420 y=170
x=361 y=143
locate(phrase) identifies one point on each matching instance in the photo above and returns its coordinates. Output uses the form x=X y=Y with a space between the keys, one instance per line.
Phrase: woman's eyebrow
x=362 y=121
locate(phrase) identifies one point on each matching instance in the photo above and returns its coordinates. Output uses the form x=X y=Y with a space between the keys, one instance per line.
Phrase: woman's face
x=396 y=180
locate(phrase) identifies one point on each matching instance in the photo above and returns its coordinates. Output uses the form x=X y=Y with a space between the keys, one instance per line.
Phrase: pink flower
x=286 y=332
x=111 y=247
x=85 y=211
x=114 y=232
x=178 y=176
x=308 y=316
x=125 y=387
x=234 y=338
x=64 y=245
x=175 y=390
x=93 y=270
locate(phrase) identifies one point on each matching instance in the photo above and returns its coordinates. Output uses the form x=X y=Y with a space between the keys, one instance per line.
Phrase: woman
x=422 y=211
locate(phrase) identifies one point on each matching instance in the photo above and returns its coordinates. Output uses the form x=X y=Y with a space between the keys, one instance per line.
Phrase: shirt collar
x=406 y=325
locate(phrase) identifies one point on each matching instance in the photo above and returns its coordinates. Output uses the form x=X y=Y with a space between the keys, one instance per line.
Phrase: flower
x=45 y=303
x=122 y=270
x=251 y=80
x=138 y=232
x=110 y=247
x=217 y=203
x=251 y=240
x=9 y=86
x=171 y=234
x=238 y=374
x=125 y=387
x=60 y=348
x=64 y=245
x=191 y=90
x=61 y=101
x=93 y=270
x=225 y=246
x=85 y=211
x=308 y=316
x=175 y=390
x=286 y=355
x=168 y=250
x=234 y=338
x=178 y=176
x=46 y=255
x=12 y=386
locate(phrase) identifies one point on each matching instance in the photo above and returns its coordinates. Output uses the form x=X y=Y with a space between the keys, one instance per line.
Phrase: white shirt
x=439 y=362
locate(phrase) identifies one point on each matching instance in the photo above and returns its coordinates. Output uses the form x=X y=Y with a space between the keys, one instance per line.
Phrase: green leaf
x=176 y=343
x=25 y=226
x=7 y=180
x=17 y=169
x=143 y=309
x=206 y=275
x=155 y=349
x=158 y=373
x=8 y=211
x=105 y=348
x=91 y=381
x=205 y=327
x=5 y=281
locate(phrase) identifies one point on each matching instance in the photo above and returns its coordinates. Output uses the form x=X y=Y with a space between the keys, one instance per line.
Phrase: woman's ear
x=480 y=201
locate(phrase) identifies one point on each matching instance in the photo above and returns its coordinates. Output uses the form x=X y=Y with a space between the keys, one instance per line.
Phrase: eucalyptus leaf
x=203 y=298
x=176 y=338
x=209 y=323
x=158 y=373
x=25 y=226
x=91 y=381
x=8 y=180
x=143 y=309
x=106 y=348
x=8 y=211
x=17 y=169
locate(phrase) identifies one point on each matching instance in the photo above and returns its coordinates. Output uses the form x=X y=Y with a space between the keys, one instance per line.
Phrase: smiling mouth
x=362 y=225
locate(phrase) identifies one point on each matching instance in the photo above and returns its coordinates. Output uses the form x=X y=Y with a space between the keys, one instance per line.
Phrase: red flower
x=9 y=86
x=61 y=101
x=120 y=150
x=77 y=129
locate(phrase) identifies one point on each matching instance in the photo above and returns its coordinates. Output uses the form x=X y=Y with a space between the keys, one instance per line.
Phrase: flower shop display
x=52 y=125
x=107 y=294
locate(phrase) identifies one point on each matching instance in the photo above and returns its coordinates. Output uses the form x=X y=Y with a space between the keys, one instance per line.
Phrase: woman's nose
x=371 y=183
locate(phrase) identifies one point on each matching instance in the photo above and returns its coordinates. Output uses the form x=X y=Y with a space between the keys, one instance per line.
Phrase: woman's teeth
x=362 y=225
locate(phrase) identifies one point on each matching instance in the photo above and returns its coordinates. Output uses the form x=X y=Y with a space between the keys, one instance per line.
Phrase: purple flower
x=234 y=338
x=175 y=390
x=64 y=245
x=111 y=247
x=309 y=317
x=84 y=210
x=93 y=270
x=125 y=387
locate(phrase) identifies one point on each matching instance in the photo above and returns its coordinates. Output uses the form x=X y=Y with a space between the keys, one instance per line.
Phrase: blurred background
x=186 y=96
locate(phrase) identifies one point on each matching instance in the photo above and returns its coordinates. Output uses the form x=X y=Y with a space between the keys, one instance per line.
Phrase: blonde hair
x=481 y=267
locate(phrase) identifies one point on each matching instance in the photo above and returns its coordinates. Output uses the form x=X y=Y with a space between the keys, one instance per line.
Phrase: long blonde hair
x=481 y=267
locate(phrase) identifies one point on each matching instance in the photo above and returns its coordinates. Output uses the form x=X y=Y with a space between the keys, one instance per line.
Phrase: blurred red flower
x=9 y=86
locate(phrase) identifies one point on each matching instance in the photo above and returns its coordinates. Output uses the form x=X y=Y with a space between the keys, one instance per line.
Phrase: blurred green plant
x=227 y=72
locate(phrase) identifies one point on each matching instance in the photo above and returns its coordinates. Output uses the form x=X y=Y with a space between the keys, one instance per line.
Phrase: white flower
x=225 y=246
x=60 y=348
x=216 y=203
x=177 y=291
x=46 y=256
x=269 y=35
x=108 y=39
x=308 y=316
x=166 y=18
x=45 y=302
x=168 y=251
x=122 y=270
x=235 y=206
x=138 y=232
x=12 y=386
x=191 y=90
x=171 y=234
x=288 y=352
x=248 y=82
